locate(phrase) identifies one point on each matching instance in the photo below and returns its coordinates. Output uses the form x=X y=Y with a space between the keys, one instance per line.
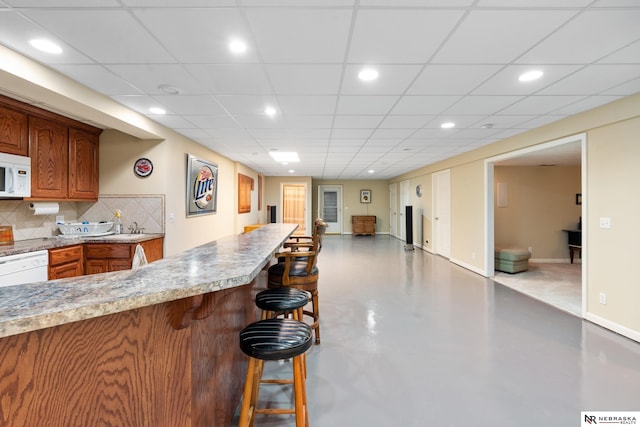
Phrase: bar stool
x=282 y=300
x=275 y=339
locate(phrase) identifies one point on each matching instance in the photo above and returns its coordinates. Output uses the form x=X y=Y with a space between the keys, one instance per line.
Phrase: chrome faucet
x=134 y=229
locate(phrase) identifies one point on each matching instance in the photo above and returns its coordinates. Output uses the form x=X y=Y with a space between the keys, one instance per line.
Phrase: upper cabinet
x=64 y=152
x=49 y=152
x=14 y=134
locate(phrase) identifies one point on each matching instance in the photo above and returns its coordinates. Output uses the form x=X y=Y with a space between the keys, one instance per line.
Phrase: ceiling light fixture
x=285 y=156
x=46 y=46
x=487 y=126
x=448 y=125
x=530 y=76
x=368 y=74
x=237 y=46
x=291 y=171
x=371 y=171
x=270 y=111
x=157 y=110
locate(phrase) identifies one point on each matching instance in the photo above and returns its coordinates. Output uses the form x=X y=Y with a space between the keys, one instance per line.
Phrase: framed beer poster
x=202 y=186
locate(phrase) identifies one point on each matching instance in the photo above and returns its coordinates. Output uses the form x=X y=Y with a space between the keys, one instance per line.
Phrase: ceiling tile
x=365 y=104
x=190 y=104
x=95 y=32
x=300 y=35
x=231 y=79
x=600 y=32
x=540 y=104
x=305 y=79
x=417 y=105
x=199 y=35
x=481 y=104
x=499 y=36
x=293 y=105
x=149 y=77
x=593 y=79
x=627 y=55
x=451 y=79
x=345 y=122
x=405 y=121
x=399 y=35
x=99 y=79
x=246 y=104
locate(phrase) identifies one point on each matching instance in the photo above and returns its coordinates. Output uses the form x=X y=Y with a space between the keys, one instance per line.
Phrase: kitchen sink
x=127 y=236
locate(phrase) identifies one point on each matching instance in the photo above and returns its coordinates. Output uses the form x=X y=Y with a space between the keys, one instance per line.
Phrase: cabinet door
x=83 y=165
x=95 y=266
x=119 y=264
x=48 y=149
x=14 y=132
x=153 y=249
x=72 y=269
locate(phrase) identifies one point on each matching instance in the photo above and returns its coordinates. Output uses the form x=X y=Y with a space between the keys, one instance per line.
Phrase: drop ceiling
x=438 y=61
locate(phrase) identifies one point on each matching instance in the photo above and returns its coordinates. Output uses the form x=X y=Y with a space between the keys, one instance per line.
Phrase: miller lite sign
x=202 y=186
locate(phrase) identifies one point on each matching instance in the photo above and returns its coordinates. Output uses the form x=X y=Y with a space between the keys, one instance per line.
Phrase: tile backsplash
x=147 y=210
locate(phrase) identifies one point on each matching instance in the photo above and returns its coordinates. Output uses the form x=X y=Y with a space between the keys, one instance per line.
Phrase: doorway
x=404 y=201
x=294 y=206
x=565 y=151
x=393 y=210
x=330 y=207
x=441 y=187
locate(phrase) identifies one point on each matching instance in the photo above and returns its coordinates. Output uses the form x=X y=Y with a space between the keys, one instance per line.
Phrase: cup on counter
x=6 y=235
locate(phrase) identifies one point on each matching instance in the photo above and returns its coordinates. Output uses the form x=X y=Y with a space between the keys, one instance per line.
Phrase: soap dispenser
x=117 y=226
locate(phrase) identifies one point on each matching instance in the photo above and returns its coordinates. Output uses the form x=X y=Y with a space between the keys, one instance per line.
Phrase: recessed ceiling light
x=530 y=76
x=270 y=111
x=157 y=110
x=237 y=46
x=447 y=125
x=46 y=46
x=291 y=171
x=368 y=74
x=284 y=156
x=371 y=171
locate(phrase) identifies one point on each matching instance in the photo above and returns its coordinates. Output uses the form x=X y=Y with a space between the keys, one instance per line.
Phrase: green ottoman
x=512 y=260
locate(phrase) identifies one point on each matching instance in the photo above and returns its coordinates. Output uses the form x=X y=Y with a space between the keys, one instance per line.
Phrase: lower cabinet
x=105 y=257
x=65 y=262
x=363 y=225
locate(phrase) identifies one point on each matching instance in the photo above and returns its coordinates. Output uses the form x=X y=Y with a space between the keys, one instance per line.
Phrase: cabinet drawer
x=65 y=255
x=110 y=251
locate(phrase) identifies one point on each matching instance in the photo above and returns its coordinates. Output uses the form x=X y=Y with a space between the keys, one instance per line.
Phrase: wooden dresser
x=363 y=225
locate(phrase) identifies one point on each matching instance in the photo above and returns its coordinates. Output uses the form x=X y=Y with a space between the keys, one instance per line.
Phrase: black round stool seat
x=281 y=299
x=275 y=339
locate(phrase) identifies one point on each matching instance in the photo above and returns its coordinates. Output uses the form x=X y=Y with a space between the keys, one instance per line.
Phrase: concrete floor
x=410 y=339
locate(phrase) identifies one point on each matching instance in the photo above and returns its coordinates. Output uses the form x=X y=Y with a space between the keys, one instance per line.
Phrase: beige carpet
x=559 y=285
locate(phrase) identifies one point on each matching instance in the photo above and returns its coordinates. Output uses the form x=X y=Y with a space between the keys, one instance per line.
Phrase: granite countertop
x=227 y=262
x=31 y=245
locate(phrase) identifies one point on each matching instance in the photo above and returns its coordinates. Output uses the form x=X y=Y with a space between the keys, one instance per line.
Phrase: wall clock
x=419 y=190
x=143 y=167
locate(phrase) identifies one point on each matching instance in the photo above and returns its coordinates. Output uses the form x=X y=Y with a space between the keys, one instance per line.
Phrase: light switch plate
x=605 y=222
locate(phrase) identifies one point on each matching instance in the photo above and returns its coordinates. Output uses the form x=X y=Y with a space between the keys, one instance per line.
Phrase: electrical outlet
x=603 y=298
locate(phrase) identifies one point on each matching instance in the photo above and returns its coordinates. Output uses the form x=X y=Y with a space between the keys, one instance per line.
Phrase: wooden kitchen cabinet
x=83 y=165
x=64 y=161
x=49 y=152
x=14 y=131
x=363 y=225
x=66 y=262
x=105 y=257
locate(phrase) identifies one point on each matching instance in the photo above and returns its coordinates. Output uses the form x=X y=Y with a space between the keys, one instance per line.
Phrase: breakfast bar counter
x=155 y=346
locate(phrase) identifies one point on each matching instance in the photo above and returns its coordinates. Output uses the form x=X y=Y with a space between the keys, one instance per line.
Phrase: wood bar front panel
x=130 y=369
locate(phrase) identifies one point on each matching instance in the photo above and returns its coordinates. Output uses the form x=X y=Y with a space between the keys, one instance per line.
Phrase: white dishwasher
x=24 y=268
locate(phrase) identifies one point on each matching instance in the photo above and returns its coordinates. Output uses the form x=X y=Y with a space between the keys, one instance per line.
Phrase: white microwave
x=15 y=176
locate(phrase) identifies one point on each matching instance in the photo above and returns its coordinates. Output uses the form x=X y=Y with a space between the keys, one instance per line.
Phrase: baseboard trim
x=615 y=327
x=469 y=267
x=554 y=260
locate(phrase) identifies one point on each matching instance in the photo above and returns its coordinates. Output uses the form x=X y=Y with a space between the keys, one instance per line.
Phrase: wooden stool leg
x=249 y=395
x=300 y=393
x=316 y=314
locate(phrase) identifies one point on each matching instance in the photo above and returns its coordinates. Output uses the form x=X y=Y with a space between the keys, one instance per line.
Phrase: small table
x=574 y=239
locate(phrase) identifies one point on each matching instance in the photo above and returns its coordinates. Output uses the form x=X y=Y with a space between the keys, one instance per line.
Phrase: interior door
x=442 y=213
x=330 y=207
x=294 y=206
x=393 y=209
x=404 y=201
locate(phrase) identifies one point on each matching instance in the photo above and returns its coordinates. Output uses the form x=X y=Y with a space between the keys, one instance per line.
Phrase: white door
x=442 y=213
x=330 y=207
x=404 y=201
x=393 y=210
